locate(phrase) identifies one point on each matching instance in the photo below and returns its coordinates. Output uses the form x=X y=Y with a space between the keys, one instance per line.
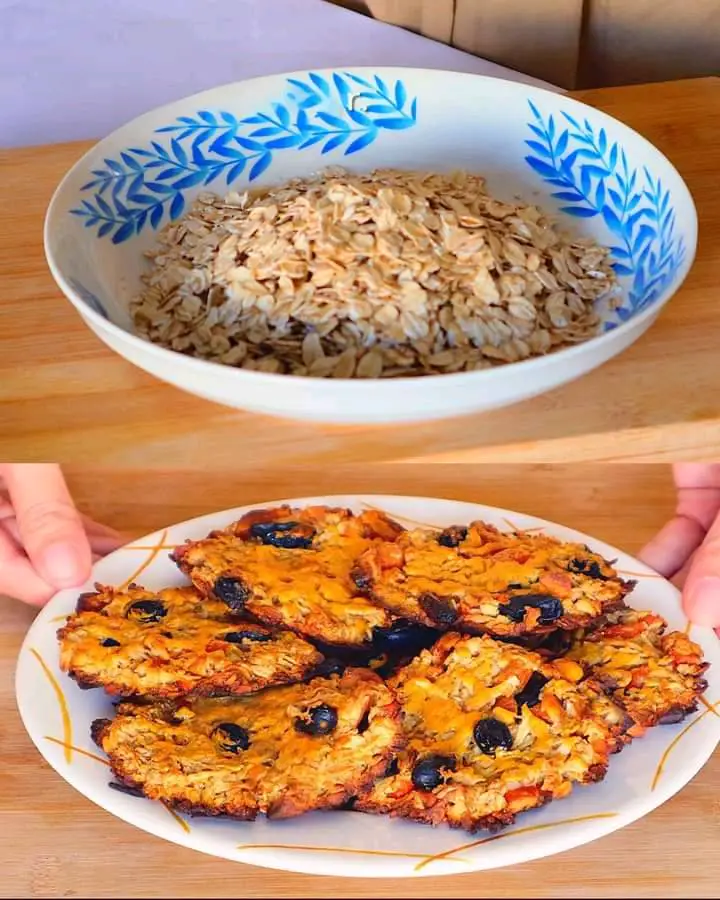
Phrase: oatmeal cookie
x=282 y=752
x=477 y=579
x=168 y=643
x=656 y=676
x=493 y=730
x=291 y=567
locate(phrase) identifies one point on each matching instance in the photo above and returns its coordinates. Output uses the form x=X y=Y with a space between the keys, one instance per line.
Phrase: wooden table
x=55 y=843
x=65 y=396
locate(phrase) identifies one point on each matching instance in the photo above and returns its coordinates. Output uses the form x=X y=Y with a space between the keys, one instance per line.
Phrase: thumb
x=50 y=527
x=701 y=594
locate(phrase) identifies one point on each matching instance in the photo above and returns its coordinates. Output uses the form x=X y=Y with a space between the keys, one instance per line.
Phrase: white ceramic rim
x=345 y=388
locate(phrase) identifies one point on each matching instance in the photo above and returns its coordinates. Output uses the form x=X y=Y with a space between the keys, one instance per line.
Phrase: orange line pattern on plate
x=80 y=750
x=508 y=834
x=351 y=850
x=181 y=822
x=709 y=705
x=178 y=818
x=711 y=708
x=514 y=527
x=62 y=703
x=629 y=574
x=149 y=547
x=155 y=550
x=401 y=519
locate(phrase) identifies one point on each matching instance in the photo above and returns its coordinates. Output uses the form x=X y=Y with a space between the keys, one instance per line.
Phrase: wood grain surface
x=65 y=396
x=55 y=843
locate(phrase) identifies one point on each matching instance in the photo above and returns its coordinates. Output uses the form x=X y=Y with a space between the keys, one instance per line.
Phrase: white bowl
x=579 y=164
x=57 y=715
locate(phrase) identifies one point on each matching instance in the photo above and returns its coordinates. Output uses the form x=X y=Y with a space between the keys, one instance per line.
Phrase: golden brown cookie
x=282 y=752
x=493 y=730
x=656 y=676
x=291 y=567
x=477 y=579
x=172 y=642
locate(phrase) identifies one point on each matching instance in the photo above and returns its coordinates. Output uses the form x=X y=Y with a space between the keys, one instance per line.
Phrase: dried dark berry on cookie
x=146 y=611
x=362 y=579
x=231 y=591
x=550 y=607
x=491 y=735
x=404 y=636
x=320 y=719
x=589 y=567
x=530 y=694
x=287 y=535
x=247 y=634
x=441 y=610
x=427 y=773
x=231 y=738
x=453 y=536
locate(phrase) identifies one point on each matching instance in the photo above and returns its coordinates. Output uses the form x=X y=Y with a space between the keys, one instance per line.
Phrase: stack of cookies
x=319 y=659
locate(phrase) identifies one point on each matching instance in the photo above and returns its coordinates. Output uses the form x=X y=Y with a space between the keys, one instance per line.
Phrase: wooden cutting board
x=65 y=396
x=56 y=843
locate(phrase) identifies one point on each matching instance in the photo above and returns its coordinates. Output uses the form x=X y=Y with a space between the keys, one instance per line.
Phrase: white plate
x=57 y=715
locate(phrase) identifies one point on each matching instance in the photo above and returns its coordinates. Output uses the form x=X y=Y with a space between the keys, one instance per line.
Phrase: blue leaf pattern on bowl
x=593 y=178
x=145 y=186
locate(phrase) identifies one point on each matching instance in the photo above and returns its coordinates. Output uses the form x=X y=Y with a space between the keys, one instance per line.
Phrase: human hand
x=687 y=549
x=45 y=543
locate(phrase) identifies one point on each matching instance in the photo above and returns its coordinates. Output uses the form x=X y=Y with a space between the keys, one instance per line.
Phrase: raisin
x=404 y=636
x=231 y=591
x=231 y=738
x=588 y=567
x=557 y=643
x=110 y=642
x=247 y=634
x=491 y=734
x=452 y=536
x=146 y=611
x=427 y=774
x=321 y=719
x=287 y=535
x=550 y=607
x=530 y=694
x=440 y=609
x=392 y=769
x=362 y=579
x=328 y=667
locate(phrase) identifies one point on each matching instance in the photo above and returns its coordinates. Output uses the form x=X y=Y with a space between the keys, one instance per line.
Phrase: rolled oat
x=370 y=275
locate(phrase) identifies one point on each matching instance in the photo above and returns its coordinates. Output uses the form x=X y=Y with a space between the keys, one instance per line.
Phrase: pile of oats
x=370 y=275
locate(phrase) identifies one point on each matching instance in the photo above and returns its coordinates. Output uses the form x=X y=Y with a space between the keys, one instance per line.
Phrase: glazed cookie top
x=164 y=644
x=282 y=752
x=477 y=579
x=291 y=567
x=492 y=730
x=656 y=676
